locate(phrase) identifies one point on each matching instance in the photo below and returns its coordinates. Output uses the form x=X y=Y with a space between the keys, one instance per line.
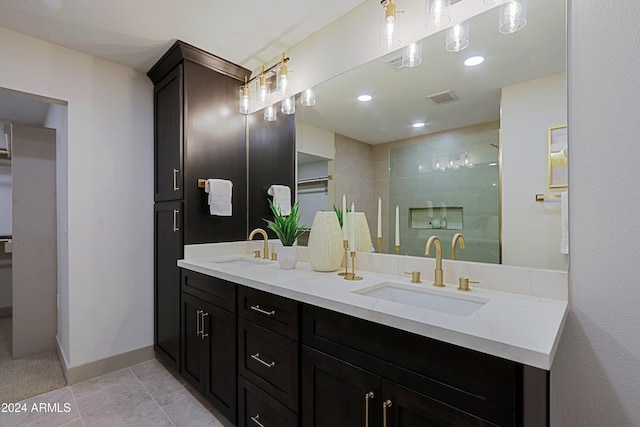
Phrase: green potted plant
x=288 y=231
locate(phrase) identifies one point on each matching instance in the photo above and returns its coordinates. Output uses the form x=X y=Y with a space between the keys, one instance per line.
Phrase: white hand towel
x=564 y=222
x=281 y=198
x=220 y=196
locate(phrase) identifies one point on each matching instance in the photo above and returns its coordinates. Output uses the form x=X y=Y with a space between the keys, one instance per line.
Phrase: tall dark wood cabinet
x=198 y=133
x=272 y=160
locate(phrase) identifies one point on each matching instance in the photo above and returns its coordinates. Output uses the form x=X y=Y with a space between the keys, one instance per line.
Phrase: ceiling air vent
x=395 y=62
x=443 y=97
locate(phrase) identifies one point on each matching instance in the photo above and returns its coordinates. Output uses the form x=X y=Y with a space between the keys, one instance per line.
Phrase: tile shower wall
x=354 y=176
x=437 y=174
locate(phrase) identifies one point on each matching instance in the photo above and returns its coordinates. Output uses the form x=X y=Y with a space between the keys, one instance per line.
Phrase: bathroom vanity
x=272 y=347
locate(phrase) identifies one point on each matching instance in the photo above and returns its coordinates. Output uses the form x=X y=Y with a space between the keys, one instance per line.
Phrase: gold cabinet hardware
x=257 y=358
x=386 y=404
x=255 y=420
x=463 y=284
x=256 y=254
x=415 y=276
x=261 y=311
x=203 y=334
x=175 y=220
x=367 y=397
x=198 y=320
x=175 y=179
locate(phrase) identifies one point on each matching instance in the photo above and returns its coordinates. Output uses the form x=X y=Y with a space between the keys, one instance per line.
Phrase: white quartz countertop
x=516 y=327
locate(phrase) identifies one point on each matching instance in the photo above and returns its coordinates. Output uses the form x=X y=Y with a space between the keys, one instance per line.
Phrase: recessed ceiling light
x=473 y=61
x=418 y=124
x=365 y=98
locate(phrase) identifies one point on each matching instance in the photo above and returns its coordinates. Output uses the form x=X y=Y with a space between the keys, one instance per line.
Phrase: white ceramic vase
x=325 y=245
x=287 y=257
x=362 y=232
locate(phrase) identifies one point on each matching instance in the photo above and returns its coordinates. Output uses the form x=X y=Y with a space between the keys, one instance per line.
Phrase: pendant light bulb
x=288 y=105
x=412 y=55
x=513 y=16
x=457 y=37
x=438 y=13
x=244 y=97
x=270 y=113
x=283 y=75
x=308 y=98
x=388 y=37
x=263 y=86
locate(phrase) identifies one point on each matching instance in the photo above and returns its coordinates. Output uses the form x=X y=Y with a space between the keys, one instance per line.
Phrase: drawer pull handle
x=386 y=404
x=202 y=333
x=367 y=396
x=261 y=311
x=175 y=220
x=255 y=420
x=257 y=357
x=198 y=328
x=175 y=179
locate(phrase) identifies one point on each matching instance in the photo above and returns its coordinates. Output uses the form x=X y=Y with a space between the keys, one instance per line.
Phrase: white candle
x=397 y=225
x=352 y=243
x=379 y=217
x=344 y=217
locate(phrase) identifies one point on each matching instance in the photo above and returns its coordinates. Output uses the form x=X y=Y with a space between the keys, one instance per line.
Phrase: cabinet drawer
x=270 y=361
x=270 y=311
x=256 y=408
x=481 y=384
x=213 y=290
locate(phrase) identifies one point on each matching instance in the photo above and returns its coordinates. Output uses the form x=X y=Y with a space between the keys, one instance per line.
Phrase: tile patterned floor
x=143 y=395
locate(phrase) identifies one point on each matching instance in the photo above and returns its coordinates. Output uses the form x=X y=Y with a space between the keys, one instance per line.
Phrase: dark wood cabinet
x=272 y=154
x=425 y=382
x=208 y=344
x=268 y=358
x=168 y=250
x=168 y=165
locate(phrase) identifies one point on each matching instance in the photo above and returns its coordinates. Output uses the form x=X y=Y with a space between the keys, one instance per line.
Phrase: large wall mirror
x=460 y=149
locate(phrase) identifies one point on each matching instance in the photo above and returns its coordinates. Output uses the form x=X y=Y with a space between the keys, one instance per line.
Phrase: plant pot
x=288 y=257
x=325 y=245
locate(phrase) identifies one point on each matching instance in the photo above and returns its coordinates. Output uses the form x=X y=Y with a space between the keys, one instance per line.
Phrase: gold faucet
x=456 y=237
x=265 y=254
x=438 y=275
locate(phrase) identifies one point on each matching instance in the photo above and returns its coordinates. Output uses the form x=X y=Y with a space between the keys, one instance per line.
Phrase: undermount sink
x=240 y=262
x=462 y=305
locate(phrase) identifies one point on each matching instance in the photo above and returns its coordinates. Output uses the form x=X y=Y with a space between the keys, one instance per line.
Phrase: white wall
x=57 y=118
x=528 y=110
x=595 y=379
x=110 y=191
x=314 y=140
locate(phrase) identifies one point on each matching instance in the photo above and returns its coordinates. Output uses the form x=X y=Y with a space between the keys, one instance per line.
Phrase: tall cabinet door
x=168 y=137
x=193 y=341
x=168 y=250
x=336 y=393
x=220 y=386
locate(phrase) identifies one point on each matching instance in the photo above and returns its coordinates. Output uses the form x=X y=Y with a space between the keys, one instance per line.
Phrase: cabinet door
x=168 y=137
x=193 y=344
x=168 y=249
x=220 y=337
x=408 y=408
x=334 y=393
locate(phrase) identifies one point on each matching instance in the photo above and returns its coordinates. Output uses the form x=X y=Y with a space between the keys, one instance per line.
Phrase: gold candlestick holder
x=345 y=244
x=379 y=245
x=397 y=249
x=352 y=275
